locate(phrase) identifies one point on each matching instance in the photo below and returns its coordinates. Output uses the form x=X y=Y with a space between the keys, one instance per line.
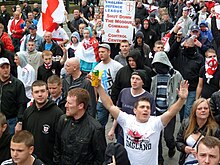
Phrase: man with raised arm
x=142 y=131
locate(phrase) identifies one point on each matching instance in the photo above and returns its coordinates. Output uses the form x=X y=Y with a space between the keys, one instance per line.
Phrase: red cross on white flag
x=52 y=14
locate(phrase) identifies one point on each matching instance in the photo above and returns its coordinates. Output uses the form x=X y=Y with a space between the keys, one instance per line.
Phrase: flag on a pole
x=52 y=14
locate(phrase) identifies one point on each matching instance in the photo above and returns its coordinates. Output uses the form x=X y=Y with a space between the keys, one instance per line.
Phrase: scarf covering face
x=211 y=65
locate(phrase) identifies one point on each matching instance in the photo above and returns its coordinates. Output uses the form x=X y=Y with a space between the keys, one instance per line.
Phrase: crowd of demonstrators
x=43 y=77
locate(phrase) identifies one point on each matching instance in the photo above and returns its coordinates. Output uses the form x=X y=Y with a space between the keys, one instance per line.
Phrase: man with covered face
x=209 y=76
x=185 y=58
x=163 y=85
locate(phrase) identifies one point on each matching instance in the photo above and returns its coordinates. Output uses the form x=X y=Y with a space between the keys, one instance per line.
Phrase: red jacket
x=17 y=28
x=7 y=42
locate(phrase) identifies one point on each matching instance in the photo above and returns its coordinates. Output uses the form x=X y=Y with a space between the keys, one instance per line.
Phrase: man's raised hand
x=183 y=90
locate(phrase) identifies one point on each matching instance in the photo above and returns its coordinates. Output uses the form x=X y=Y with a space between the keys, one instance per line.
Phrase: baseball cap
x=32 y=27
x=185 y=9
x=3 y=61
x=195 y=28
x=105 y=46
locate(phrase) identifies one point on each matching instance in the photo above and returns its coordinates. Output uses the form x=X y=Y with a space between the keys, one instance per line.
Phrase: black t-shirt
x=213 y=86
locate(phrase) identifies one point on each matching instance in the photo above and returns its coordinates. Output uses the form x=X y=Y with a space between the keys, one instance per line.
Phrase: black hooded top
x=150 y=36
x=123 y=76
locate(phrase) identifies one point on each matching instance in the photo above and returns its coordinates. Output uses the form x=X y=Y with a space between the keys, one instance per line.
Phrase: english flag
x=52 y=13
x=151 y=8
x=166 y=37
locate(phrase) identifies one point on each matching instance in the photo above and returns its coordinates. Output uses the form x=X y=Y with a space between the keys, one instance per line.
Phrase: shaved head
x=72 y=65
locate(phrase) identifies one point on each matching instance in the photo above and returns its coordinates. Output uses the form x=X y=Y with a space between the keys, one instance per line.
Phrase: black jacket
x=123 y=76
x=215 y=105
x=180 y=141
x=74 y=24
x=141 y=12
x=81 y=82
x=5 y=17
x=10 y=56
x=216 y=35
x=55 y=49
x=5 y=145
x=150 y=36
x=13 y=98
x=188 y=65
x=42 y=123
x=44 y=74
x=80 y=142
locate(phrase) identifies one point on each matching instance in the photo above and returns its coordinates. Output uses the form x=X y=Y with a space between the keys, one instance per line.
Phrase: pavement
x=167 y=160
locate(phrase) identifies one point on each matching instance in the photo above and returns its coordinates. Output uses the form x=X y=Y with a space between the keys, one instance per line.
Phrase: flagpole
x=67 y=6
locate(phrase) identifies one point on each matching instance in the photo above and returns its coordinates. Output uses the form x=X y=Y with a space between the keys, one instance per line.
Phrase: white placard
x=118 y=19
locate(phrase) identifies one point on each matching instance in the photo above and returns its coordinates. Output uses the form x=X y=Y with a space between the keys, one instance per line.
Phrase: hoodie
x=207 y=33
x=42 y=123
x=150 y=36
x=123 y=76
x=26 y=73
x=71 y=47
x=144 y=48
x=173 y=82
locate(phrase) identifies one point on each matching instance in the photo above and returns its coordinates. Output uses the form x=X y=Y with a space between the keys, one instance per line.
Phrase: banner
x=52 y=14
x=118 y=20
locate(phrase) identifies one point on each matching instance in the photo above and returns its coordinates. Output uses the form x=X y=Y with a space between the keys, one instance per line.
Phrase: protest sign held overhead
x=118 y=19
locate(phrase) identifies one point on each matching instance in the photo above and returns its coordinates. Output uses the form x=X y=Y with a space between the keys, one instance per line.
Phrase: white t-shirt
x=141 y=139
x=108 y=73
x=60 y=35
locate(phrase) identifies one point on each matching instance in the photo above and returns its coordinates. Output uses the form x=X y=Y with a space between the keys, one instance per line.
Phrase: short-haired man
x=80 y=139
x=126 y=100
x=74 y=24
x=50 y=66
x=54 y=84
x=125 y=48
x=142 y=132
x=12 y=96
x=22 y=147
x=158 y=46
x=77 y=79
x=209 y=76
x=41 y=120
x=208 y=151
x=33 y=36
x=51 y=45
x=110 y=68
x=34 y=57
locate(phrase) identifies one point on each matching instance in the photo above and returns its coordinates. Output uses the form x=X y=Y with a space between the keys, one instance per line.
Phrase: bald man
x=77 y=79
x=51 y=45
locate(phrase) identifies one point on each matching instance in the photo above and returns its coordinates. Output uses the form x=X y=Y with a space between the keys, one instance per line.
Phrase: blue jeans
x=12 y=123
x=186 y=110
x=102 y=114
